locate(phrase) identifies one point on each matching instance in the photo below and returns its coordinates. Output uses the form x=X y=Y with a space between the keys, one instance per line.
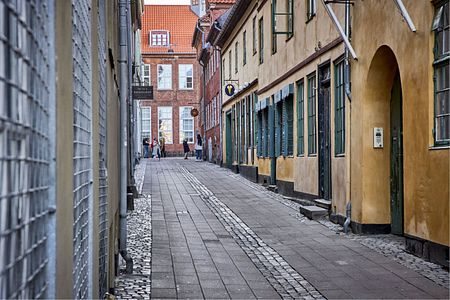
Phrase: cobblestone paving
x=139 y=242
x=285 y=280
x=386 y=244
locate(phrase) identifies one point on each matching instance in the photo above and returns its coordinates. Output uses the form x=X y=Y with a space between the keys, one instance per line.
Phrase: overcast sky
x=168 y=2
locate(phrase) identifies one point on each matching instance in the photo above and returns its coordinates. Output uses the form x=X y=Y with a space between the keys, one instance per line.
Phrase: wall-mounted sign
x=142 y=92
x=229 y=90
x=194 y=112
x=378 y=137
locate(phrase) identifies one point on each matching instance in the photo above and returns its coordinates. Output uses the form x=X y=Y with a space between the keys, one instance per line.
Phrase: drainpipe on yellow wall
x=348 y=210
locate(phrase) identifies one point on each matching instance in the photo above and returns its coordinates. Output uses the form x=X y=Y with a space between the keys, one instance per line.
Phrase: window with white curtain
x=165 y=123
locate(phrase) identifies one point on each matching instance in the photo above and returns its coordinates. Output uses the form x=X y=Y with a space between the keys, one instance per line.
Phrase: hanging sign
x=142 y=92
x=194 y=112
x=229 y=90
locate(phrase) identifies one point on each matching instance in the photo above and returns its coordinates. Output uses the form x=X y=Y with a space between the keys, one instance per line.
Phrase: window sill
x=312 y=155
x=191 y=89
x=339 y=155
x=301 y=155
x=163 y=89
x=439 y=147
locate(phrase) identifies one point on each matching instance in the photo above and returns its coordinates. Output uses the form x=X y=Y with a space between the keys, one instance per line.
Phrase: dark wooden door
x=324 y=133
x=228 y=148
x=396 y=158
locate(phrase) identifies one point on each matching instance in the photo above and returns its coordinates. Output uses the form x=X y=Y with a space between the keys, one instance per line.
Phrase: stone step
x=313 y=212
x=323 y=203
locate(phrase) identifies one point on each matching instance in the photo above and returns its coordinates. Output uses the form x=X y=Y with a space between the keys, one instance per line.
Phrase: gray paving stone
x=211 y=218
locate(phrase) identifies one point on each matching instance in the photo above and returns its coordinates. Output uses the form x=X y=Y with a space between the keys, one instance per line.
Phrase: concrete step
x=323 y=203
x=272 y=188
x=313 y=212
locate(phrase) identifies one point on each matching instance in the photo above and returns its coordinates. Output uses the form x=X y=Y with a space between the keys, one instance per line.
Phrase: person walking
x=146 y=145
x=198 y=148
x=186 y=149
x=156 y=149
x=162 y=144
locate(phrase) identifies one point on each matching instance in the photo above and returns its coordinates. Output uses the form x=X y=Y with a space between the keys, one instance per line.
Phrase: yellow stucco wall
x=285 y=168
x=426 y=170
x=306 y=175
x=264 y=166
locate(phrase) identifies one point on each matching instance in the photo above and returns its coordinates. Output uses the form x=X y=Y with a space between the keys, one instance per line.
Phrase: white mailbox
x=378 y=137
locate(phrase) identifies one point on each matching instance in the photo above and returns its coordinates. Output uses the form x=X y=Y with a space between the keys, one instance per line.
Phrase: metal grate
x=82 y=164
x=103 y=203
x=25 y=143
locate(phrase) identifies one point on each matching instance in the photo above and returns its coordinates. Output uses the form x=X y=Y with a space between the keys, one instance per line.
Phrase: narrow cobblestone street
x=201 y=231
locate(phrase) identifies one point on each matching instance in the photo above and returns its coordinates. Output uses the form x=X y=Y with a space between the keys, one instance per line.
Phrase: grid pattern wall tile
x=82 y=164
x=25 y=106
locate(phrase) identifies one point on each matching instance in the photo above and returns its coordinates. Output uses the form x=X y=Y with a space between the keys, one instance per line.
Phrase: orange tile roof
x=179 y=20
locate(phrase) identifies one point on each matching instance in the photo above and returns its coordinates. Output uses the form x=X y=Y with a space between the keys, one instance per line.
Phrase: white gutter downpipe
x=123 y=93
x=405 y=15
x=339 y=28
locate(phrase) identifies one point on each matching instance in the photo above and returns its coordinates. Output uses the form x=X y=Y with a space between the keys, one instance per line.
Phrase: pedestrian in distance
x=186 y=149
x=198 y=148
x=162 y=144
x=156 y=149
x=146 y=145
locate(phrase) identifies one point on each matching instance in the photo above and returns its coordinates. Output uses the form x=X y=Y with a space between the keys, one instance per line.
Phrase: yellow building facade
x=403 y=186
x=378 y=154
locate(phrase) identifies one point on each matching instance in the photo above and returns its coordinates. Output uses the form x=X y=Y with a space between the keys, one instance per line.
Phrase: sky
x=168 y=2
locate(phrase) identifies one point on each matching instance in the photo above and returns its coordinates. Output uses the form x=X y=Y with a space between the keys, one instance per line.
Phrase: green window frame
x=339 y=109
x=279 y=128
x=236 y=57
x=288 y=127
x=261 y=40
x=254 y=34
x=266 y=133
x=290 y=18
x=258 y=135
x=300 y=118
x=244 y=48
x=441 y=130
x=274 y=26
x=312 y=134
x=311 y=9
x=229 y=64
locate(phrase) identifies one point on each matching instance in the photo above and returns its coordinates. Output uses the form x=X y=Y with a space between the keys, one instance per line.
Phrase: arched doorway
x=384 y=164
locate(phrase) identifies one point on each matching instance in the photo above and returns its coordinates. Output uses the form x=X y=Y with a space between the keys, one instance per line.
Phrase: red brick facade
x=163 y=18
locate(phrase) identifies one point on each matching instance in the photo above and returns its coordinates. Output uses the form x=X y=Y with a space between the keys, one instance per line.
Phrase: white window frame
x=166 y=84
x=144 y=131
x=159 y=38
x=183 y=77
x=170 y=129
x=148 y=76
x=181 y=129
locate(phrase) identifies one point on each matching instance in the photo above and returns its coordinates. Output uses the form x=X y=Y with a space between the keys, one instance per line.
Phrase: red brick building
x=170 y=66
x=208 y=27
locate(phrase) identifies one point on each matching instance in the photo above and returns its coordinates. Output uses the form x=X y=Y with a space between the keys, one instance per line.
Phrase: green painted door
x=396 y=158
x=228 y=141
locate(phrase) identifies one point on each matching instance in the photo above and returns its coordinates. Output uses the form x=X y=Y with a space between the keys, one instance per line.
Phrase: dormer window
x=159 y=38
